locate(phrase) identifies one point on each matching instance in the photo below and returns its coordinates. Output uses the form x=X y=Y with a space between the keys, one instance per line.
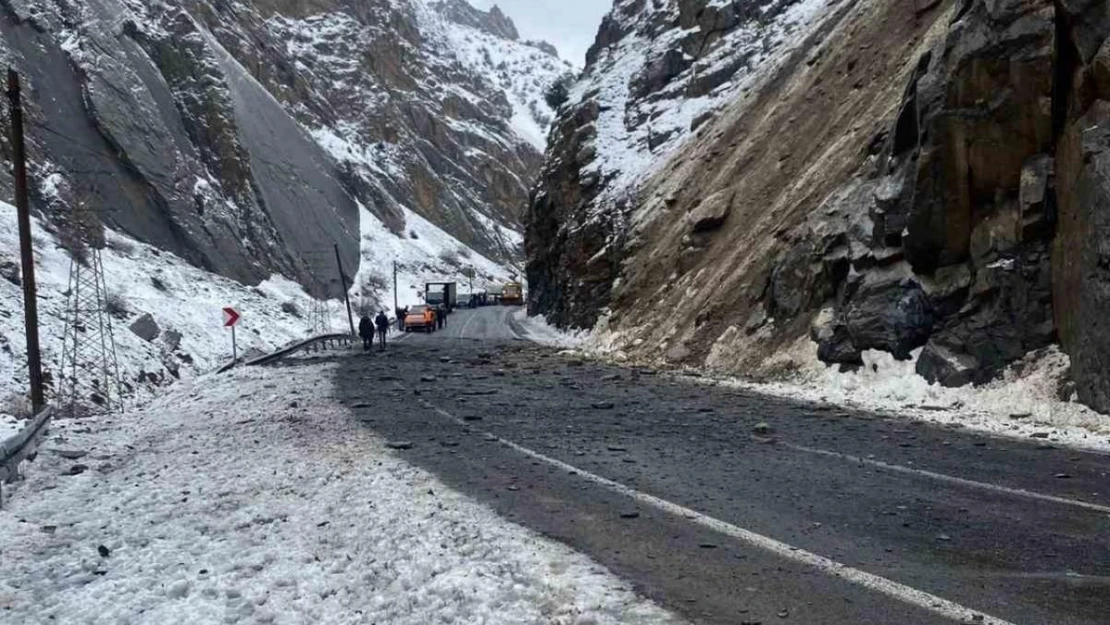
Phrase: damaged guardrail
x=22 y=446
x=325 y=341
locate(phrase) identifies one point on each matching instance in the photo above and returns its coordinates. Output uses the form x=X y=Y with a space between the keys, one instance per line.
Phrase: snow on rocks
x=1028 y=401
x=1029 y=389
x=628 y=151
x=222 y=503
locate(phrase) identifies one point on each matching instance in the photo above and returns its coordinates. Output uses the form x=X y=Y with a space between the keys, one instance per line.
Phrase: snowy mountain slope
x=876 y=190
x=521 y=70
x=655 y=74
x=427 y=105
x=654 y=86
x=244 y=140
x=220 y=131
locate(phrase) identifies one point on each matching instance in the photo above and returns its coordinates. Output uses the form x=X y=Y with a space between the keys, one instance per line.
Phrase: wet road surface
x=715 y=502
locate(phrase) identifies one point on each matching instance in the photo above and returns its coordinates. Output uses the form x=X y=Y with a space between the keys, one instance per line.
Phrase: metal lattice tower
x=319 y=317
x=89 y=375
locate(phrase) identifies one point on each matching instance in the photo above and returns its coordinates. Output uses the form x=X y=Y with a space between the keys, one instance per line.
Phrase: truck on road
x=512 y=294
x=442 y=295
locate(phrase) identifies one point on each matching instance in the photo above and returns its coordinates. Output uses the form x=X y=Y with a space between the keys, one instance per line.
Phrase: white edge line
x=870 y=581
x=1005 y=490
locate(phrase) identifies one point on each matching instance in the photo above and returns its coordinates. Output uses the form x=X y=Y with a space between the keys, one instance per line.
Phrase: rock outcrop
x=245 y=137
x=656 y=72
x=928 y=179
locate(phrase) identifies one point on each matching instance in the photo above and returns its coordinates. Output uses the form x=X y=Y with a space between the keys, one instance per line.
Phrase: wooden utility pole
x=27 y=255
x=346 y=289
x=396 y=306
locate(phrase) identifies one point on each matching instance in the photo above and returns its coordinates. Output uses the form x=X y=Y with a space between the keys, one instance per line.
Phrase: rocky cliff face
x=245 y=137
x=921 y=178
x=656 y=74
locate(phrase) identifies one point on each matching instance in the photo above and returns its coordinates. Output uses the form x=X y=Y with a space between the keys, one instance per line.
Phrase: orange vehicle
x=420 y=317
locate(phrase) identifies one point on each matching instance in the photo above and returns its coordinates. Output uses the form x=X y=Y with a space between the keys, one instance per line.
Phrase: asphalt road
x=729 y=507
x=492 y=323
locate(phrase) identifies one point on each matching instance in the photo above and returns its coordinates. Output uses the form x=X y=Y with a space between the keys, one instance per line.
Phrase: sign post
x=231 y=317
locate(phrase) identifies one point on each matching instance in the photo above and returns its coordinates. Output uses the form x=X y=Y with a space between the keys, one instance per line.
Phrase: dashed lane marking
x=900 y=592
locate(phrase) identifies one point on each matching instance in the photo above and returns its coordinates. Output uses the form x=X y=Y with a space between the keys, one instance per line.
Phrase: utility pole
x=27 y=255
x=396 y=306
x=346 y=294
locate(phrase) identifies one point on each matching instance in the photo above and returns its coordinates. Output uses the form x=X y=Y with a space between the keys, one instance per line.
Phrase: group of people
x=379 y=325
x=367 y=328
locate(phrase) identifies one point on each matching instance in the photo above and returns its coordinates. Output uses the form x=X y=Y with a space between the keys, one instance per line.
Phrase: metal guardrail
x=325 y=341
x=22 y=446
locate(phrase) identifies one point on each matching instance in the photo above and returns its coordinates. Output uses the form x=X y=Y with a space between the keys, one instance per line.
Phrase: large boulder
x=885 y=310
x=146 y=328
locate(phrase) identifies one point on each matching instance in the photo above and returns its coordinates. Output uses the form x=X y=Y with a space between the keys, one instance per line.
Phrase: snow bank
x=537 y=330
x=255 y=497
x=9 y=426
x=1023 y=402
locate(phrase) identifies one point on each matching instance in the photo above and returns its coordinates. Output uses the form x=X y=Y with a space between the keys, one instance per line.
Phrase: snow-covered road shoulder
x=256 y=497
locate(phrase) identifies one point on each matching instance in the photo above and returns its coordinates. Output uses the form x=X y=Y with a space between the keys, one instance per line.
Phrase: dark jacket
x=382 y=321
x=366 y=328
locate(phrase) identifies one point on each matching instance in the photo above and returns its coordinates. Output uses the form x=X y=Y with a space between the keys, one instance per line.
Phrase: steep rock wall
x=244 y=137
x=915 y=176
x=657 y=72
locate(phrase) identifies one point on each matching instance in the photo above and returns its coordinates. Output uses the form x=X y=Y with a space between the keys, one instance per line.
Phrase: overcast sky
x=569 y=24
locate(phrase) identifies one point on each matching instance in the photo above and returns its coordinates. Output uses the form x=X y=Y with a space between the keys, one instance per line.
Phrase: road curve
x=951 y=524
x=489 y=323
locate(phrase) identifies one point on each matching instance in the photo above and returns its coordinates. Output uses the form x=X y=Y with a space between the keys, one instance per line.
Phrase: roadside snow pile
x=1023 y=403
x=184 y=302
x=537 y=330
x=9 y=426
x=257 y=498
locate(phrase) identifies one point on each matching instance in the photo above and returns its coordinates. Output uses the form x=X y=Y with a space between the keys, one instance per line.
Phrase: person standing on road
x=383 y=327
x=366 y=331
x=441 y=318
x=400 y=319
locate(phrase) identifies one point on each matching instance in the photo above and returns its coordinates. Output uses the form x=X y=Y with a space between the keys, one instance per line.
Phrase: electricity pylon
x=89 y=375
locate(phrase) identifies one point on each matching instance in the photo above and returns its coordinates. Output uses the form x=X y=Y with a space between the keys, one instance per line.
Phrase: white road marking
x=897 y=468
x=462 y=331
x=900 y=592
